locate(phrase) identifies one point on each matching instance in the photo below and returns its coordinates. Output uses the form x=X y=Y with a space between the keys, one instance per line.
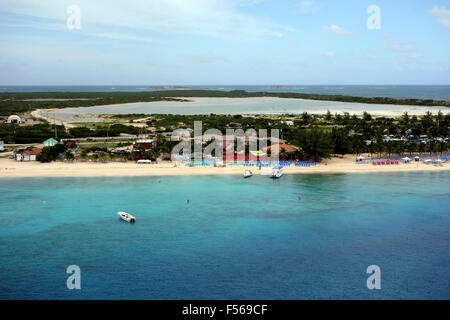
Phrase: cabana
x=256 y=155
x=50 y=142
x=406 y=160
x=288 y=149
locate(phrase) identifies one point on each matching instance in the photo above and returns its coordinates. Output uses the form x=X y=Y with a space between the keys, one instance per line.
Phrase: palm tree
x=428 y=148
x=389 y=148
x=400 y=148
x=371 y=148
x=283 y=153
x=405 y=119
x=410 y=147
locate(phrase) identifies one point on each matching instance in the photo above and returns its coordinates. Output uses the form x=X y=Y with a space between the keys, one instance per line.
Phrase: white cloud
x=404 y=48
x=244 y=3
x=309 y=6
x=118 y=36
x=331 y=56
x=336 y=30
x=442 y=15
x=214 y=18
x=405 y=54
x=209 y=57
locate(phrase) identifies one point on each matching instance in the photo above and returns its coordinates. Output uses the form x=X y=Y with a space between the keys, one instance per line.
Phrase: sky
x=223 y=42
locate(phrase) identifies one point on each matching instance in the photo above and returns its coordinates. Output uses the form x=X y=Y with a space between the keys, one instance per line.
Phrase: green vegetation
x=102 y=130
x=20 y=102
x=317 y=136
x=11 y=133
x=320 y=136
x=50 y=154
x=169 y=122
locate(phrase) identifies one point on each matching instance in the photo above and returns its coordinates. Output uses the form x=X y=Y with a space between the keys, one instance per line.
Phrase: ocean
x=235 y=239
x=436 y=92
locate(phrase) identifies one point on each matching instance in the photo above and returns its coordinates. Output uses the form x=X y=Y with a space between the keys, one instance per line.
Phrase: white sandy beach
x=11 y=168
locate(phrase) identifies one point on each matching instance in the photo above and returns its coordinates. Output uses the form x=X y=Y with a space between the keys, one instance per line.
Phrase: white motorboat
x=126 y=216
x=248 y=174
x=276 y=173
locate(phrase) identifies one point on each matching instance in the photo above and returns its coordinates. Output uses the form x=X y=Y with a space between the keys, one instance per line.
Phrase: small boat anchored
x=277 y=172
x=126 y=216
x=248 y=174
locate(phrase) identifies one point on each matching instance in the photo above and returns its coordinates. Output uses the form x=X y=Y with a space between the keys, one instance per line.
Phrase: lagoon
x=260 y=105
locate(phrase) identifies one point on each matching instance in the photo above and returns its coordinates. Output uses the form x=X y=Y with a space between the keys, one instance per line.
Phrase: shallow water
x=235 y=239
x=263 y=105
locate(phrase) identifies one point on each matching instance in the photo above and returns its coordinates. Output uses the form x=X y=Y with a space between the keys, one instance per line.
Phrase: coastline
x=12 y=169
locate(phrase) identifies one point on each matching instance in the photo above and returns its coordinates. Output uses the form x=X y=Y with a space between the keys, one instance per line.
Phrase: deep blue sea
x=436 y=92
x=235 y=239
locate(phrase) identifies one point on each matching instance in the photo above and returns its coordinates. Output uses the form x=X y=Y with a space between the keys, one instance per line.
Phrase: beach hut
x=256 y=155
x=50 y=142
x=288 y=149
x=141 y=146
x=1 y=146
x=406 y=160
x=27 y=154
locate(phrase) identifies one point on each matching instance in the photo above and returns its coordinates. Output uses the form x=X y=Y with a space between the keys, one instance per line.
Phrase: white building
x=15 y=119
x=27 y=154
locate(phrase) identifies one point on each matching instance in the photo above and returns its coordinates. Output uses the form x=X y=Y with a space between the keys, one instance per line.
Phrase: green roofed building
x=50 y=142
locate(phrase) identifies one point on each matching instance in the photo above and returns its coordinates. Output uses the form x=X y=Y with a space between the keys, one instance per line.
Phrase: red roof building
x=141 y=146
x=27 y=154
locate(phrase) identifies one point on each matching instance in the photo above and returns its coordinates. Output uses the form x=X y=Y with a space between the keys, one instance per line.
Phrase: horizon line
x=205 y=85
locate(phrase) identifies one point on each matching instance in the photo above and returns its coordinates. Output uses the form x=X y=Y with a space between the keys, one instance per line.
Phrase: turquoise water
x=235 y=239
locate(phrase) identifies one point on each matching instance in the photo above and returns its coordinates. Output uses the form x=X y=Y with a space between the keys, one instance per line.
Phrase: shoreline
x=11 y=169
